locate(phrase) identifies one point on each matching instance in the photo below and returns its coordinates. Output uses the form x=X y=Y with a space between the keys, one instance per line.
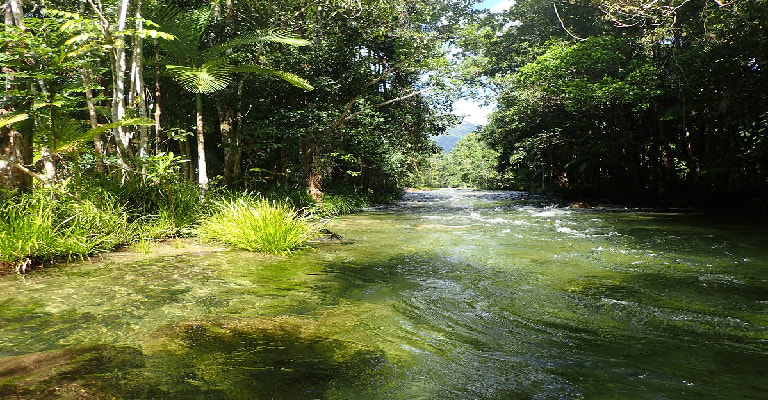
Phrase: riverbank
x=41 y=229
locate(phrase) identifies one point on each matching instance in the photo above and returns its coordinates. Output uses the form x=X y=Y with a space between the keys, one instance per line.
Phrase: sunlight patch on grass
x=255 y=224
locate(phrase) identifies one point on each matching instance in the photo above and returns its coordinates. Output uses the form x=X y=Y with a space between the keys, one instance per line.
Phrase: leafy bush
x=255 y=224
x=340 y=204
x=167 y=207
x=40 y=226
x=297 y=196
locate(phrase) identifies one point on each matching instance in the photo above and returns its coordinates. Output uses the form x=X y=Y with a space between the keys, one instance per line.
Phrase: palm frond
x=91 y=133
x=183 y=26
x=294 y=80
x=4 y=121
x=199 y=19
x=256 y=37
x=210 y=77
x=281 y=37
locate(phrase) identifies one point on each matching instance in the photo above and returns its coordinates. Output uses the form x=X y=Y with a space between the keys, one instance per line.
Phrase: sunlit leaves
x=293 y=79
x=598 y=72
x=9 y=120
x=212 y=76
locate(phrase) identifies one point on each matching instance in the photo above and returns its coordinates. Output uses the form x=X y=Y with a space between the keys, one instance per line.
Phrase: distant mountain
x=449 y=140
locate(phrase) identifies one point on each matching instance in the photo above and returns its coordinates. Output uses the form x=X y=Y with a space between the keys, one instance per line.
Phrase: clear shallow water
x=448 y=295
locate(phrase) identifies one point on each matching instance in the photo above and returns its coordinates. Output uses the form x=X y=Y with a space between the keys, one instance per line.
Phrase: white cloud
x=473 y=112
x=502 y=6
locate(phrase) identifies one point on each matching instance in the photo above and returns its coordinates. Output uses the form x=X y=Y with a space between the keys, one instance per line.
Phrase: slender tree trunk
x=92 y=116
x=202 y=170
x=16 y=8
x=159 y=135
x=49 y=164
x=118 y=67
x=226 y=125
x=186 y=153
x=227 y=121
x=237 y=172
x=8 y=15
x=139 y=98
x=12 y=152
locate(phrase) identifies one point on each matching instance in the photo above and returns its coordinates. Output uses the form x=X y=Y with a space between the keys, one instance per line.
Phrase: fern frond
x=212 y=76
x=294 y=80
x=256 y=37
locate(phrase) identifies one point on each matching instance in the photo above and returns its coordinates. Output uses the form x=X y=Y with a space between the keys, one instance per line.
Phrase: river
x=449 y=294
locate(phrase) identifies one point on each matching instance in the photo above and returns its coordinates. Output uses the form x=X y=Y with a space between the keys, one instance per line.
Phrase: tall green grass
x=40 y=226
x=340 y=204
x=347 y=201
x=157 y=210
x=256 y=224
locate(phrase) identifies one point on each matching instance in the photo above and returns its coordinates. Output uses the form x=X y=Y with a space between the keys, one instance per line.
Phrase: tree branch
x=343 y=117
x=386 y=103
x=37 y=176
x=554 y=5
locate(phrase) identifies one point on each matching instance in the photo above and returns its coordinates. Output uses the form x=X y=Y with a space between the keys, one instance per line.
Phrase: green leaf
x=212 y=76
x=286 y=76
x=155 y=34
x=125 y=122
x=78 y=38
x=5 y=121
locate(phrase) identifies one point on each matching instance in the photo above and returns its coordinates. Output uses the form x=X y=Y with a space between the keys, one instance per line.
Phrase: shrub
x=40 y=226
x=340 y=204
x=256 y=224
x=167 y=208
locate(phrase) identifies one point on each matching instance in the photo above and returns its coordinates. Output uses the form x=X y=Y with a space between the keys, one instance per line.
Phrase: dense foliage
x=631 y=101
x=148 y=109
x=470 y=164
x=155 y=102
x=352 y=107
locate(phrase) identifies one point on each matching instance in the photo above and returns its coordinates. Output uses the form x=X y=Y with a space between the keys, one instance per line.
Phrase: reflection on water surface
x=447 y=295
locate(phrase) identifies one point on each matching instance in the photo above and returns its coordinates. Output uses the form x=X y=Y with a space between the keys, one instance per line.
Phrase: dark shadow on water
x=275 y=358
x=85 y=372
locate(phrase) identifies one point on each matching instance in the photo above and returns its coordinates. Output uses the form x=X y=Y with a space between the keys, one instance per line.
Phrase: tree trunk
x=228 y=140
x=118 y=69
x=15 y=147
x=12 y=148
x=229 y=131
x=186 y=153
x=49 y=164
x=237 y=172
x=159 y=135
x=308 y=150
x=202 y=170
x=16 y=10
x=138 y=96
x=92 y=116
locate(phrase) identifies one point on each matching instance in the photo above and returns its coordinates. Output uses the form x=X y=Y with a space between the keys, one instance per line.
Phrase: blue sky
x=474 y=111
x=495 y=5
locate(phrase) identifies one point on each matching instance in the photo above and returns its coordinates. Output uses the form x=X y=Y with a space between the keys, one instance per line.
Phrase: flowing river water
x=451 y=294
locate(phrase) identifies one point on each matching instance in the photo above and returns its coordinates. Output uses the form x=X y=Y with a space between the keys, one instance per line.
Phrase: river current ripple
x=448 y=294
x=517 y=298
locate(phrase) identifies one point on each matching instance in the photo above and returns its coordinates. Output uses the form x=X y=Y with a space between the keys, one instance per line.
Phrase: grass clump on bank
x=256 y=224
x=42 y=225
x=39 y=226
